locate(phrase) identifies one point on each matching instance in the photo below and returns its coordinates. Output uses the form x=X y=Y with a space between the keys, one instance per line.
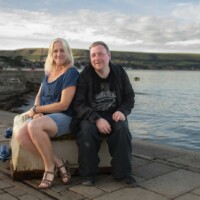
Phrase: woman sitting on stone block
x=52 y=112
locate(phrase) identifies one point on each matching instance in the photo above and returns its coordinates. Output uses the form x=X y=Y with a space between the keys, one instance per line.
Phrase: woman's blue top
x=51 y=92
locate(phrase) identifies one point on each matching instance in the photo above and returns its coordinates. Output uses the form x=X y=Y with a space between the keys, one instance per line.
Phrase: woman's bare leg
x=35 y=137
x=24 y=139
x=40 y=130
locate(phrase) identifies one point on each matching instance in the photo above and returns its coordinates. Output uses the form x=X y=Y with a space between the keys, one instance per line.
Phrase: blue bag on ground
x=4 y=152
x=8 y=133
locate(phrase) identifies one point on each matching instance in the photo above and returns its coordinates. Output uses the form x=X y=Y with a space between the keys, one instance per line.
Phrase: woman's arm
x=67 y=96
x=37 y=98
x=31 y=112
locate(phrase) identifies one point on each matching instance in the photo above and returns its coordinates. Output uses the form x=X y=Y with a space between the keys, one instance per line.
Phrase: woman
x=52 y=112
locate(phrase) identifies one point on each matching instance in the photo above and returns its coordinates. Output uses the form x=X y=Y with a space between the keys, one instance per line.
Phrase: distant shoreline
x=34 y=58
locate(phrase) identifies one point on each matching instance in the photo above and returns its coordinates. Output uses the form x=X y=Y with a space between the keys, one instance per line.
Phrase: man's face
x=99 y=57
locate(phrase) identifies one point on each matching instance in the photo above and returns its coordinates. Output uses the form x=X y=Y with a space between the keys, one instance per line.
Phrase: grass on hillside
x=127 y=59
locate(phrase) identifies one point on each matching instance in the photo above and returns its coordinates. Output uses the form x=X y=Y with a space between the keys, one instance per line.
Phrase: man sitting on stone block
x=103 y=99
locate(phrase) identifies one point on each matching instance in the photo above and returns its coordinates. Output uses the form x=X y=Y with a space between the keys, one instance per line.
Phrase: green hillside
x=134 y=60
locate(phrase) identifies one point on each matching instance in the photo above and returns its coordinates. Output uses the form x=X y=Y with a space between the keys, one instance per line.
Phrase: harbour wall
x=19 y=81
x=14 y=84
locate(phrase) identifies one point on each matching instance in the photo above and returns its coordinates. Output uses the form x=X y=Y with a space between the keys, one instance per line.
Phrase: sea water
x=167 y=107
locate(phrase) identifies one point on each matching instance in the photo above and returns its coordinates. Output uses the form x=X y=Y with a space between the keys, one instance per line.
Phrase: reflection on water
x=167 y=109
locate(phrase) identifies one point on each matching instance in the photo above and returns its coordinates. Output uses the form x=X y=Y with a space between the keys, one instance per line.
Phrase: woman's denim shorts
x=62 y=121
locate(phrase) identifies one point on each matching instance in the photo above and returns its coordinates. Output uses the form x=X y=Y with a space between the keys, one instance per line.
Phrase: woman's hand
x=37 y=115
x=30 y=113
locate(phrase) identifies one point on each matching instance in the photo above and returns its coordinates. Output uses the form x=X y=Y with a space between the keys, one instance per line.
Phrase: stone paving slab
x=152 y=169
x=132 y=194
x=5 y=184
x=197 y=191
x=188 y=197
x=138 y=162
x=89 y=192
x=16 y=191
x=70 y=195
x=7 y=197
x=192 y=160
x=107 y=184
x=173 y=184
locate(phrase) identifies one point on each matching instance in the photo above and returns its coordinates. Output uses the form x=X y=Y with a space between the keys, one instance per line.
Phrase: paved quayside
x=162 y=173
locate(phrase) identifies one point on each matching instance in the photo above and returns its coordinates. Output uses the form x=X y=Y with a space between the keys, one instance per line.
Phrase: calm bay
x=167 y=108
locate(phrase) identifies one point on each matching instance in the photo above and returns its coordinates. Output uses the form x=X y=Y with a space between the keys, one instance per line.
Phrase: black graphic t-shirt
x=104 y=99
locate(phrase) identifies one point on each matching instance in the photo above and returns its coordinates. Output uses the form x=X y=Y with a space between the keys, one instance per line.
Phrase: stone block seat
x=25 y=165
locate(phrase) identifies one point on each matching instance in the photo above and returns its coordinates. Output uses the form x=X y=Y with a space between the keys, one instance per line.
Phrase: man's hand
x=103 y=126
x=118 y=116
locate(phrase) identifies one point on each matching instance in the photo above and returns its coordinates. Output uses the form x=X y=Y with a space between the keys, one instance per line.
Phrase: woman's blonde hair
x=50 y=64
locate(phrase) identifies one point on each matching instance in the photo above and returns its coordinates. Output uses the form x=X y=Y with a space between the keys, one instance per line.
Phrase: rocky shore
x=13 y=100
x=15 y=86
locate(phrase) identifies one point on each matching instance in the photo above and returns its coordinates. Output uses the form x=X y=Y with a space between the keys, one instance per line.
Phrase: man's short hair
x=99 y=43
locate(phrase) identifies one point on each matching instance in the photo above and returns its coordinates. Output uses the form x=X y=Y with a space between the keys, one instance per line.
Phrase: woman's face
x=59 y=55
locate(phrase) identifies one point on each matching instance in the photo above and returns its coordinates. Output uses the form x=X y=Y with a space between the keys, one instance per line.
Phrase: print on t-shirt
x=105 y=100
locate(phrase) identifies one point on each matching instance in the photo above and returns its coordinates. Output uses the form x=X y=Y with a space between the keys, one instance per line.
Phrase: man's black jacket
x=84 y=93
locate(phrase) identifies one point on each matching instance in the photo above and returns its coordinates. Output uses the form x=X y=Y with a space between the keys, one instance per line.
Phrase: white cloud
x=185 y=43
x=23 y=28
x=187 y=12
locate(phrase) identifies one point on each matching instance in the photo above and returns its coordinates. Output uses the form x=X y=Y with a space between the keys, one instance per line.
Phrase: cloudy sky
x=127 y=25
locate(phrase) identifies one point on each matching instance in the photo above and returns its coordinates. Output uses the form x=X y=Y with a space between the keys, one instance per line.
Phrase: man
x=104 y=98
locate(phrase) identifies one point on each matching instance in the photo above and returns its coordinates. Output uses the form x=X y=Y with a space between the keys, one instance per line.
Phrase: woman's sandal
x=64 y=173
x=47 y=179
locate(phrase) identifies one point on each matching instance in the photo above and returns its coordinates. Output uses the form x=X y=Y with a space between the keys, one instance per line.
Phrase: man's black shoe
x=88 y=181
x=130 y=181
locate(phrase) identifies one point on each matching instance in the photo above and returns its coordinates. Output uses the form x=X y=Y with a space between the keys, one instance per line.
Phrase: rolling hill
x=132 y=60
